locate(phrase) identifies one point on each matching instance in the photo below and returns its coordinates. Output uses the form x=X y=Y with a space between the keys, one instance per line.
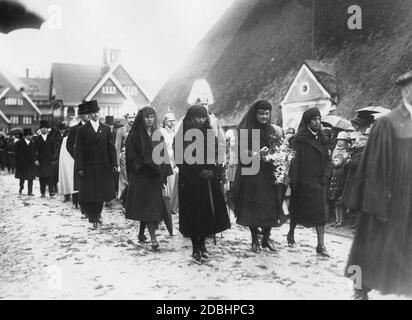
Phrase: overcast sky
x=155 y=36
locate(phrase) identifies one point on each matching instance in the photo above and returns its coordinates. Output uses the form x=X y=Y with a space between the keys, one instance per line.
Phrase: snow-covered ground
x=48 y=252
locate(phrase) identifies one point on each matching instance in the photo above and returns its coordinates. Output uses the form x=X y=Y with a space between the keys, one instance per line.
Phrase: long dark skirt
x=144 y=201
x=259 y=203
x=384 y=254
x=92 y=210
x=196 y=215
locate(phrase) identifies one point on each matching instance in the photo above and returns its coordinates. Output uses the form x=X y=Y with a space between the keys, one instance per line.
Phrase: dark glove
x=81 y=173
x=206 y=174
x=115 y=169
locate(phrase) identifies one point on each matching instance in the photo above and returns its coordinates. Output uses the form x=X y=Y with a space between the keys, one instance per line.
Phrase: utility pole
x=313 y=28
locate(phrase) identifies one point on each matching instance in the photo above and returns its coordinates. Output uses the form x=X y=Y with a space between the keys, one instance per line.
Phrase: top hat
x=27 y=132
x=44 y=124
x=404 y=79
x=92 y=106
x=109 y=120
x=82 y=108
x=62 y=126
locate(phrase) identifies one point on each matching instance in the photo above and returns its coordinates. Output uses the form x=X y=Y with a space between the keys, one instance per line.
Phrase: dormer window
x=14 y=102
x=132 y=90
x=109 y=90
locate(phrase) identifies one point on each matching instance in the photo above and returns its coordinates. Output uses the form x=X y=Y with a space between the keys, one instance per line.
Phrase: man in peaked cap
x=382 y=246
x=70 y=146
x=45 y=158
x=95 y=164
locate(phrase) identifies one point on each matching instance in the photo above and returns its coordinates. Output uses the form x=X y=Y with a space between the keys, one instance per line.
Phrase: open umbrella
x=372 y=113
x=16 y=131
x=336 y=122
x=14 y=15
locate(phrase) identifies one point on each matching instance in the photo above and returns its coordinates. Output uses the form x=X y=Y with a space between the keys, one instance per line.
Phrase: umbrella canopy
x=372 y=113
x=372 y=109
x=16 y=131
x=336 y=122
x=14 y=16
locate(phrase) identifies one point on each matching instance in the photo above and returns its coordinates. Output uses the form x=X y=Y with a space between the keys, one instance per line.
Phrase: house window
x=27 y=120
x=14 y=119
x=14 y=102
x=132 y=90
x=109 y=90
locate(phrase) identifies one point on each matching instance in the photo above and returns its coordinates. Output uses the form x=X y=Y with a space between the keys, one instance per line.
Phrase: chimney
x=27 y=73
x=111 y=56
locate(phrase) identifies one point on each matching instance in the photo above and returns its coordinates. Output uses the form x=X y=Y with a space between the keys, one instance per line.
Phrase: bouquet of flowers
x=279 y=155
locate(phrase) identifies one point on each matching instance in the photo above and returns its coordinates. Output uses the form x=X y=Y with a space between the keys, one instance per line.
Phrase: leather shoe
x=197 y=257
x=268 y=243
x=142 y=238
x=322 y=252
x=203 y=252
x=291 y=240
x=255 y=246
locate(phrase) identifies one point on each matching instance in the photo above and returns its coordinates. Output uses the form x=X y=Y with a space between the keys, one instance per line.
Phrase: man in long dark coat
x=71 y=140
x=25 y=168
x=381 y=254
x=95 y=164
x=45 y=158
x=308 y=179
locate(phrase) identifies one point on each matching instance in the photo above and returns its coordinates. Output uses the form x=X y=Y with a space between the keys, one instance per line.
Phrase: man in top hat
x=382 y=247
x=25 y=167
x=95 y=163
x=70 y=146
x=45 y=158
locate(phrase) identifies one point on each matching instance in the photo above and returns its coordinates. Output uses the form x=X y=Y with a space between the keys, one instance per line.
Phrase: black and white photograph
x=205 y=150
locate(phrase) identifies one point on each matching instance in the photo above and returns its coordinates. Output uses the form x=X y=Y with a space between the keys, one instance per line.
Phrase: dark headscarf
x=307 y=117
x=139 y=144
x=249 y=122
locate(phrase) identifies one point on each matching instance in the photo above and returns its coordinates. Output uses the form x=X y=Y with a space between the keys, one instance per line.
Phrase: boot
x=267 y=242
x=322 y=251
x=255 y=240
x=203 y=251
x=196 y=254
x=291 y=240
x=360 y=294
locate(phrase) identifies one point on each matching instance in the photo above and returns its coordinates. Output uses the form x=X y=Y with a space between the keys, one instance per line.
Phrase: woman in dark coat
x=25 y=167
x=202 y=208
x=146 y=179
x=258 y=201
x=309 y=179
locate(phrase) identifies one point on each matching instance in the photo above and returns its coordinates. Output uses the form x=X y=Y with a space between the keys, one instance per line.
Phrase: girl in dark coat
x=202 y=208
x=309 y=179
x=25 y=167
x=146 y=179
x=258 y=202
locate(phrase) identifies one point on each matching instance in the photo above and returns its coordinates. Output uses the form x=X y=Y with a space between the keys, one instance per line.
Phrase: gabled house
x=314 y=85
x=110 y=84
x=17 y=109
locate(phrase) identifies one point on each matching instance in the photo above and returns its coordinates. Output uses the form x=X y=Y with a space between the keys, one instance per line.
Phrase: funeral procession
x=205 y=150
